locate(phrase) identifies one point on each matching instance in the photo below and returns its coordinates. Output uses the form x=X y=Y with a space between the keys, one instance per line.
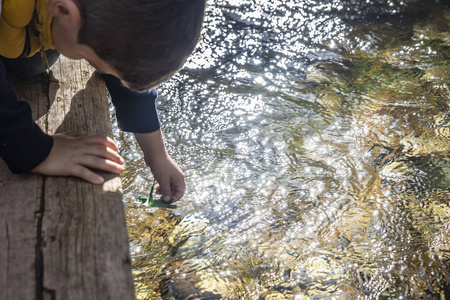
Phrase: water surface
x=315 y=139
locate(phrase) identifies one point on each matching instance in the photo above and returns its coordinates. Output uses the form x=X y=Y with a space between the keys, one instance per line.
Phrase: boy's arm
x=23 y=145
x=136 y=112
x=166 y=172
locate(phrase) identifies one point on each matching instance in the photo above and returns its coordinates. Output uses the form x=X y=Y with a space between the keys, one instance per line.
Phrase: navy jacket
x=23 y=145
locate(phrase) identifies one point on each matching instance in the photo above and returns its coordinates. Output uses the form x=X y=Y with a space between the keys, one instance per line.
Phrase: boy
x=137 y=44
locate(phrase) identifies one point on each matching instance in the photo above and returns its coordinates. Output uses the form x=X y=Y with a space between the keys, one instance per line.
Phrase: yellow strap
x=44 y=57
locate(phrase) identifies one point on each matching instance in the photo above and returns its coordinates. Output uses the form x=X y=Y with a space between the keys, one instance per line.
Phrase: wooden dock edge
x=61 y=237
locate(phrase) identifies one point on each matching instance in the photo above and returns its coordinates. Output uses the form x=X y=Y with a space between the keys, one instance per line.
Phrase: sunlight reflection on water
x=314 y=136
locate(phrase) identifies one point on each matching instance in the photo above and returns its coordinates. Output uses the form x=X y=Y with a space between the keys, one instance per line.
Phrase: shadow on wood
x=62 y=237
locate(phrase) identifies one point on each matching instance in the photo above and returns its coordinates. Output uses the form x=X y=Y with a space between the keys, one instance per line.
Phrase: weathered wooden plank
x=68 y=236
x=93 y=262
x=18 y=234
x=20 y=207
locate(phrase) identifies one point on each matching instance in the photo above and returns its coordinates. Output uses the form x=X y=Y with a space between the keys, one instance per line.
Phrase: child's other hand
x=170 y=179
x=73 y=153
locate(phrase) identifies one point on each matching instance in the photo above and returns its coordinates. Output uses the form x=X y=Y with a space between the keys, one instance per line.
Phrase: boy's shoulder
x=25 y=28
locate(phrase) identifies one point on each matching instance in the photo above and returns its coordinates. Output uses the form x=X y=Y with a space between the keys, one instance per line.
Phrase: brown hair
x=146 y=41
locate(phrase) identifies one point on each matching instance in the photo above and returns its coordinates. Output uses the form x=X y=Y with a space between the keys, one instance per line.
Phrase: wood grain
x=62 y=237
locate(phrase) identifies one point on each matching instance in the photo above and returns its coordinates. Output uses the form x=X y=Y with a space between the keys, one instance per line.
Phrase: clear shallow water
x=315 y=139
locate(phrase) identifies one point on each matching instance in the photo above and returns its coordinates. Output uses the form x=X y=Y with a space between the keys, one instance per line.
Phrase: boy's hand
x=164 y=169
x=73 y=153
x=170 y=179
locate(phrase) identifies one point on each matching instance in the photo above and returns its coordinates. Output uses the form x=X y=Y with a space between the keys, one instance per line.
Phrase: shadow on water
x=315 y=139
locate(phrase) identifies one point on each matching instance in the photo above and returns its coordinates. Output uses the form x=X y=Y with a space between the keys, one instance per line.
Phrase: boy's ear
x=66 y=9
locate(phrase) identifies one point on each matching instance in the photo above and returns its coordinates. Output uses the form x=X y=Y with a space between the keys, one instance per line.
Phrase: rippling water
x=315 y=139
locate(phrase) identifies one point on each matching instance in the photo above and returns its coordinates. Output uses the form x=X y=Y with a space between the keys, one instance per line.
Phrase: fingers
x=164 y=190
x=177 y=195
x=99 y=152
x=107 y=153
x=91 y=139
x=178 y=187
x=88 y=175
x=91 y=161
x=103 y=164
x=98 y=145
x=76 y=133
x=173 y=190
x=102 y=140
x=75 y=152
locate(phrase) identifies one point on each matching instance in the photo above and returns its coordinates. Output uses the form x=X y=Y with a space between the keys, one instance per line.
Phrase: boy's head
x=144 y=42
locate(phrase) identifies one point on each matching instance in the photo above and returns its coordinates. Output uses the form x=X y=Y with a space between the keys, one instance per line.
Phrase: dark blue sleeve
x=23 y=145
x=135 y=112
